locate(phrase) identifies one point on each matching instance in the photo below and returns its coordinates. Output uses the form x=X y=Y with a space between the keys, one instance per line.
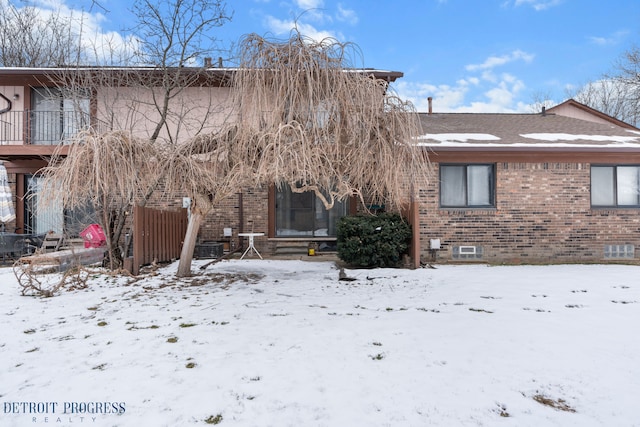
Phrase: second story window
x=467 y=186
x=615 y=186
x=57 y=115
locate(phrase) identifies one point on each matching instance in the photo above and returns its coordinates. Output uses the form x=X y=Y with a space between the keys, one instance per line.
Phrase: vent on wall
x=467 y=252
x=619 y=251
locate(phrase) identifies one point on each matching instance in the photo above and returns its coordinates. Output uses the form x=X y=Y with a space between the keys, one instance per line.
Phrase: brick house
x=40 y=110
x=559 y=186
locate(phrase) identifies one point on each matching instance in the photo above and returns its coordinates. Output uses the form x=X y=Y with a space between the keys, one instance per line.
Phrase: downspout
x=4 y=110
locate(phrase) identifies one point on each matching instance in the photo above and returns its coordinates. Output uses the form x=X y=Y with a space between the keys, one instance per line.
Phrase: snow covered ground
x=284 y=343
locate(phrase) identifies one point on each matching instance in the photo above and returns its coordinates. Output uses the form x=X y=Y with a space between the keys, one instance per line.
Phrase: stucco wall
x=576 y=113
x=11 y=122
x=194 y=110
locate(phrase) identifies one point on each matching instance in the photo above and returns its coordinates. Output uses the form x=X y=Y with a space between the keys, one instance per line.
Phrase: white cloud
x=284 y=27
x=445 y=97
x=496 y=61
x=501 y=95
x=309 y=4
x=495 y=97
x=346 y=15
x=473 y=80
x=613 y=39
x=538 y=5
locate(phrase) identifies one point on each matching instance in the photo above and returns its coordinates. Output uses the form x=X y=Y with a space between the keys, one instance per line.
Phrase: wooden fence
x=412 y=214
x=157 y=235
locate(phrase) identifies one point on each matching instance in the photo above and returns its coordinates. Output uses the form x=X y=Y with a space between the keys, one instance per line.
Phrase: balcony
x=45 y=127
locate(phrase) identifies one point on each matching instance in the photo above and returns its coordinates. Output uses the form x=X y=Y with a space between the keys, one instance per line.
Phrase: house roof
x=473 y=131
x=207 y=76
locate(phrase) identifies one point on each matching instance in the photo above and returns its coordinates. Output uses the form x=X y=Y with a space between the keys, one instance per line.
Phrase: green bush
x=373 y=240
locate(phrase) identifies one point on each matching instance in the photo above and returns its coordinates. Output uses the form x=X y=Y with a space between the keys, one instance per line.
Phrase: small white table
x=251 y=245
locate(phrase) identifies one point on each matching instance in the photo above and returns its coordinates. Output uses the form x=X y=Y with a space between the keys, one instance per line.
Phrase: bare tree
x=310 y=119
x=174 y=34
x=304 y=117
x=611 y=96
x=110 y=170
x=301 y=115
x=628 y=74
x=149 y=103
x=616 y=93
x=32 y=37
x=540 y=100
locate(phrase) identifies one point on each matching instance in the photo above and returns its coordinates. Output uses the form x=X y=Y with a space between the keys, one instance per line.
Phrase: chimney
x=207 y=62
x=544 y=110
x=430 y=99
x=220 y=62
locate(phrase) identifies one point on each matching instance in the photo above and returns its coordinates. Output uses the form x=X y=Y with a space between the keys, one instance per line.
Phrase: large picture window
x=303 y=214
x=467 y=186
x=615 y=186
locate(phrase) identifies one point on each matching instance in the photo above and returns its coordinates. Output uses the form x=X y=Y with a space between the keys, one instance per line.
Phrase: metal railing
x=45 y=127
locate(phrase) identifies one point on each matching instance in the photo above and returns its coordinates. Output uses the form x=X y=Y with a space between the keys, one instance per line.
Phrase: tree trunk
x=189 y=245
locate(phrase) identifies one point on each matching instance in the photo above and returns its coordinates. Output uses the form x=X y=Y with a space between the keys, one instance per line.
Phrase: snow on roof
x=570 y=137
x=480 y=140
x=459 y=137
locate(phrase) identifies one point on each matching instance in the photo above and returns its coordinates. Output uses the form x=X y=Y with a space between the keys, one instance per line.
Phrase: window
x=303 y=214
x=57 y=115
x=615 y=186
x=619 y=251
x=467 y=186
x=41 y=218
x=467 y=252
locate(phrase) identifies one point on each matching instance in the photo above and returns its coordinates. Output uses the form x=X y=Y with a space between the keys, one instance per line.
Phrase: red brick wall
x=542 y=215
x=246 y=212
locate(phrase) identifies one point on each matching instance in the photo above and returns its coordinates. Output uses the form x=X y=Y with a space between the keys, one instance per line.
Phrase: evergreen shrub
x=373 y=240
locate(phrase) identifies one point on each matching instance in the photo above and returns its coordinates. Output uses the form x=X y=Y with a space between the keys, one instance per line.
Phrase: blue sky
x=469 y=55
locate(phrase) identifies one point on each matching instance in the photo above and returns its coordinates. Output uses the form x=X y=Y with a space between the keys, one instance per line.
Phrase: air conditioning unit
x=467 y=250
x=208 y=250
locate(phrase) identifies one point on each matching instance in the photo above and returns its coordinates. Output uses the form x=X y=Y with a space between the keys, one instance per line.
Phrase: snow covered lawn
x=284 y=343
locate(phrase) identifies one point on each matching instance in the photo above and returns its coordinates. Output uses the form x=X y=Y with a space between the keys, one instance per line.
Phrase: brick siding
x=542 y=215
x=226 y=214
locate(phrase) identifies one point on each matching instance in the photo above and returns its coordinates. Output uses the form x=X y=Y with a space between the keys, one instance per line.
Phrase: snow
x=551 y=140
x=284 y=343
x=458 y=137
x=571 y=137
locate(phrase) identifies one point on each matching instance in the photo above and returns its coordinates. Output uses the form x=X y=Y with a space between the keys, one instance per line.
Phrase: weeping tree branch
x=308 y=119
x=303 y=117
x=112 y=171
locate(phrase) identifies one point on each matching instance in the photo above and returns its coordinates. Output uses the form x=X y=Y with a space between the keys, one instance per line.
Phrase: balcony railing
x=45 y=127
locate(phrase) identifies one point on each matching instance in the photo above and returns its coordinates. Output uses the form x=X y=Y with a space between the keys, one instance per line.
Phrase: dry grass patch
x=559 y=404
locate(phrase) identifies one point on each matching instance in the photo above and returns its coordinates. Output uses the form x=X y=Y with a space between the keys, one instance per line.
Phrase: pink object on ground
x=93 y=236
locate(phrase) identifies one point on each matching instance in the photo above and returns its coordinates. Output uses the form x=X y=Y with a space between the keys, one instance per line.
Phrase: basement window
x=467 y=252
x=619 y=251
